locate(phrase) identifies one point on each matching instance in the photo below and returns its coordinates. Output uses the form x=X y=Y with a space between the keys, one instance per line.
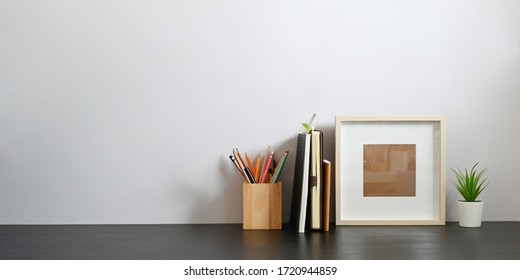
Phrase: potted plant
x=470 y=185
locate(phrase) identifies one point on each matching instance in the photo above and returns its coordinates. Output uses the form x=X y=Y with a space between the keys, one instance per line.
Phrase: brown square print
x=389 y=170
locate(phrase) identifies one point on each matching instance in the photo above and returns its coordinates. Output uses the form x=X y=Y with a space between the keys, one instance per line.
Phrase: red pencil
x=266 y=171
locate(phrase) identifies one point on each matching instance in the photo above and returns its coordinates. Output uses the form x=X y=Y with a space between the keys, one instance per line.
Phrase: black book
x=301 y=182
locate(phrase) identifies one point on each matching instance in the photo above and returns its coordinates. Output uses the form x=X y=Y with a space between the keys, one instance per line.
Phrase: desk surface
x=494 y=240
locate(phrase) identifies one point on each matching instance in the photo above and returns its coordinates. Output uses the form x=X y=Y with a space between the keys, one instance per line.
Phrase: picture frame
x=390 y=170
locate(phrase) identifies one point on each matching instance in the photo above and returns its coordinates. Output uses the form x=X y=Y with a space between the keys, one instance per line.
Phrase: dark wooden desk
x=494 y=240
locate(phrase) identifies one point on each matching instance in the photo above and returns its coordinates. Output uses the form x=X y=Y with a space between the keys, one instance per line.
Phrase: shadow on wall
x=220 y=204
x=198 y=205
x=287 y=177
x=209 y=207
x=232 y=194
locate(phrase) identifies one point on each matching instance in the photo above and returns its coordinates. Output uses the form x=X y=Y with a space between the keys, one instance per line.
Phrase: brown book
x=326 y=194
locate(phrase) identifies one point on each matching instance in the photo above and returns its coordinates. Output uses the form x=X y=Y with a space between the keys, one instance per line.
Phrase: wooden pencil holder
x=262 y=206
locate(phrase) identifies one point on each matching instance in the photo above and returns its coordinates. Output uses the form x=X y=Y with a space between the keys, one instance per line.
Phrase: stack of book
x=310 y=206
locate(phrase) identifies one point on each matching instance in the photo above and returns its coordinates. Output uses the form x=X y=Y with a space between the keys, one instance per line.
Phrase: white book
x=315 y=179
x=305 y=185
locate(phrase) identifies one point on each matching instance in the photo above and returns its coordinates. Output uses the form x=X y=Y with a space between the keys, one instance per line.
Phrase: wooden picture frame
x=390 y=170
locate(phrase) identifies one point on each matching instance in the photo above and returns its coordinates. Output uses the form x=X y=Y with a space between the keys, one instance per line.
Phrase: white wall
x=125 y=111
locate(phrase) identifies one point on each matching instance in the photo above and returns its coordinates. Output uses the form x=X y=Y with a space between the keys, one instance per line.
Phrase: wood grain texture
x=389 y=170
x=262 y=206
x=275 y=206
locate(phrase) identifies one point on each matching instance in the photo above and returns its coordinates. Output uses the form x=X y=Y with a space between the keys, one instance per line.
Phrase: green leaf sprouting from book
x=310 y=126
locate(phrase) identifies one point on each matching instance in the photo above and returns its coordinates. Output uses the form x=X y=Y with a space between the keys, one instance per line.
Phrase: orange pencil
x=250 y=164
x=258 y=168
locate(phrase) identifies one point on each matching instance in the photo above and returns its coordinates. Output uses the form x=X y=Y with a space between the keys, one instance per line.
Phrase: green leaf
x=308 y=128
x=470 y=184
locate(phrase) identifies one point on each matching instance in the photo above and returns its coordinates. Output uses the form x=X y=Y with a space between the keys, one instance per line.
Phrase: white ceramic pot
x=470 y=213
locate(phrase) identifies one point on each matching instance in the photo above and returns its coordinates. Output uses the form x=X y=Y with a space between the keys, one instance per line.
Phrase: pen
x=250 y=175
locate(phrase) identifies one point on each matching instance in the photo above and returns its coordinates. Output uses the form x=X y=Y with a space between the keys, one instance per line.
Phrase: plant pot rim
x=470 y=201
